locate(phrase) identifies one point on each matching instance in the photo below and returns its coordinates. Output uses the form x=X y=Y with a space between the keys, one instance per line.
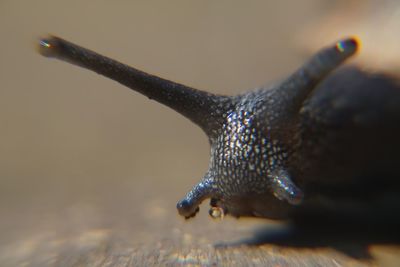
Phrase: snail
x=324 y=137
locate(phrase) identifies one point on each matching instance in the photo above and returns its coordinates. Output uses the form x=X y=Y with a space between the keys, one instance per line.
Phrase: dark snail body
x=316 y=139
x=348 y=162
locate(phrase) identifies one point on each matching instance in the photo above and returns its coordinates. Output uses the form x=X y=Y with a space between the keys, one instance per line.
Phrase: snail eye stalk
x=196 y=105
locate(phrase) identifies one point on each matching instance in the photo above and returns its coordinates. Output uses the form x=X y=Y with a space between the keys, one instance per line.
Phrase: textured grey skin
x=281 y=149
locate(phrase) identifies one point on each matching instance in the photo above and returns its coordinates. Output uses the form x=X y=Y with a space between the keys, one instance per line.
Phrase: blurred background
x=84 y=160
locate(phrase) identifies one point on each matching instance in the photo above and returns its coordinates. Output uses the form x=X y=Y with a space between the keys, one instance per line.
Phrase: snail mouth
x=262 y=206
x=217 y=210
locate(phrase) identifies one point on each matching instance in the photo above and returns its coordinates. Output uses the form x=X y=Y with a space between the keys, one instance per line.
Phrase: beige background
x=88 y=166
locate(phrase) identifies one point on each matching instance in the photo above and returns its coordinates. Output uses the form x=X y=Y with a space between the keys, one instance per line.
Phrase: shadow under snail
x=322 y=139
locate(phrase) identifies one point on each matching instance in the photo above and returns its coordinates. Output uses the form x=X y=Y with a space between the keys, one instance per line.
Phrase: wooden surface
x=116 y=231
x=90 y=172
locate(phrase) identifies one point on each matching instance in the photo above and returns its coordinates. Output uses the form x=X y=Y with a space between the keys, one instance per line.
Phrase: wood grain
x=82 y=234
